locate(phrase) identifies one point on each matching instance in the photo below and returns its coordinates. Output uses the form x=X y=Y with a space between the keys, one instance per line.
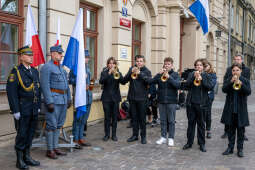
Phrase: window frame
x=15 y=19
x=136 y=42
x=90 y=33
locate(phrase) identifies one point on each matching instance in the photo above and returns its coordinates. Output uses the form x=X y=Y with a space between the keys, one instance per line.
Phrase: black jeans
x=232 y=134
x=138 y=111
x=111 y=110
x=195 y=117
x=208 y=115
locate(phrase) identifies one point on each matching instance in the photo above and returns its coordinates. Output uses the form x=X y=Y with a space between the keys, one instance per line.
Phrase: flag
x=74 y=59
x=32 y=39
x=200 y=9
x=58 y=33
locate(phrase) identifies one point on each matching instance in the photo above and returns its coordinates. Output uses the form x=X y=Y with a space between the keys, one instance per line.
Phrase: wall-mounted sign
x=125 y=2
x=125 y=22
x=124 y=12
x=123 y=53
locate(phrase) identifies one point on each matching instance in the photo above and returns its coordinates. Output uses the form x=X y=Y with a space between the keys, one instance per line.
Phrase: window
x=232 y=17
x=249 y=38
x=11 y=36
x=237 y=20
x=136 y=39
x=90 y=35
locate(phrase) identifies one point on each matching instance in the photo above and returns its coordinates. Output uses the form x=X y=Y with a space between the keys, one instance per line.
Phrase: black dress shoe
x=209 y=135
x=228 y=151
x=245 y=138
x=132 y=139
x=114 y=138
x=224 y=135
x=186 y=146
x=240 y=153
x=143 y=141
x=202 y=148
x=106 y=138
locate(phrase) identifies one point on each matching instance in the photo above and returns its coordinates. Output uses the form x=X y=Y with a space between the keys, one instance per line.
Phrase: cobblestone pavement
x=124 y=156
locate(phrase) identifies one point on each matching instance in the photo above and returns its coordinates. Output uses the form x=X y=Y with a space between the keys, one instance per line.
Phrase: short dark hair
x=111 y=59
x=139 y=56
x=236 y=65
x=239 y=55
x=198 y=60
x=168 y=59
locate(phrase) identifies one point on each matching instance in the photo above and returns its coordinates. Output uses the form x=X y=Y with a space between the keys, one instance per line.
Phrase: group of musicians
x=24 y=88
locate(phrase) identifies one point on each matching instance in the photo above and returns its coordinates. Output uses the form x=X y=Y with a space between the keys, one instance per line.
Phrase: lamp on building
x=185 y=10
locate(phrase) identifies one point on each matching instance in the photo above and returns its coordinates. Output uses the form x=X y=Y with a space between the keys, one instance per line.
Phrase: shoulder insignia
x=11 y=77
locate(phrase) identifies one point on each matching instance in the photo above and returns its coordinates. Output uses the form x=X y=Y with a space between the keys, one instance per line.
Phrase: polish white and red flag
x=58 y=41
x=32 y=39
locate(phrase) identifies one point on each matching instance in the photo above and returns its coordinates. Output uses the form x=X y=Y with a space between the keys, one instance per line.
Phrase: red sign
x=125 y=22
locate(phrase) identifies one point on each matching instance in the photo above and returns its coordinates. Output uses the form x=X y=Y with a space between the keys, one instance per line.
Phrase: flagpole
x=229 y=34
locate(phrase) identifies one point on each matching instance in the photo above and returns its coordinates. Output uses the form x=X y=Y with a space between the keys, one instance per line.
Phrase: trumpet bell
x=163 y=78
x=197 y=82
x=116 y=75
x=134 y=76
x=236 y=86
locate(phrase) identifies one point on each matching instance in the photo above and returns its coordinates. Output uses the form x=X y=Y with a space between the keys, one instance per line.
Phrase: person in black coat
x=245 y=72
x=197 y=102
x=24 y=97
x=167 y=96
x=138 y=96
x=235 y=114
x=110 y=97
x=208 y=115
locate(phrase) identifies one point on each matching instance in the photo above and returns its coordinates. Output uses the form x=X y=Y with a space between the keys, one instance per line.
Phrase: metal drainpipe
x=43 y=26
x=229 y=34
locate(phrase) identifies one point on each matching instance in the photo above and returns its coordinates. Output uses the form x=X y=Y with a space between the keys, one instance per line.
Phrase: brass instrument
x=164 y=78
x=116 y=74
x=91 y=85
x=197 y=82
x=237 y=84
x=134 y=75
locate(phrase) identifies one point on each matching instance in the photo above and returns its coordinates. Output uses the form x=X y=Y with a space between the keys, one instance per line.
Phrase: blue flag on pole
x=75 y=60
x=200 y=9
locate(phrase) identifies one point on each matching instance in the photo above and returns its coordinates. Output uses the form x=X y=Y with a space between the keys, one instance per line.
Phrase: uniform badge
x=11 y=78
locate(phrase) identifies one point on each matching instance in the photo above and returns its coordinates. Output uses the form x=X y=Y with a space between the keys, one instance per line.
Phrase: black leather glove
x=69 y=103
x=50 y=108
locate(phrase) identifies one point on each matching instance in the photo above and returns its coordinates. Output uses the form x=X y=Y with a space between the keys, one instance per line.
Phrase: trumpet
x=197 y=81
x=237 y=84
x=164 y=78
x=116 y=74
x=134 y=75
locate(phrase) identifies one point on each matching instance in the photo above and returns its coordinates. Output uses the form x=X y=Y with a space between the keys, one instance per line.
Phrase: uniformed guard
x=57 y=98
x=23 y=91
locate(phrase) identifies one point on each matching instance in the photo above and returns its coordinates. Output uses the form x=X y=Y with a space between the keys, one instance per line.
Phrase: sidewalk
x=123 y=155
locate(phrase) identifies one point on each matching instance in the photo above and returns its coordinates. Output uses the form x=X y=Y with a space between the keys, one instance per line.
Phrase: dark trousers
x=195 y=117
x=226 y=129
x=26 y=127
x=208 y=116
x=138 y=110
x=111 y=110
x=167 y=119
x=232 y=134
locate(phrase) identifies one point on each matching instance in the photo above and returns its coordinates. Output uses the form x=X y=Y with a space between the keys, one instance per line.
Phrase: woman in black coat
x=110 y=97
x=235 y=113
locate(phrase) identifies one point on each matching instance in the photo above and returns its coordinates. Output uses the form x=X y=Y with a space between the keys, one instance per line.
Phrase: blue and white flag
x=200 y=9
x=75 y=60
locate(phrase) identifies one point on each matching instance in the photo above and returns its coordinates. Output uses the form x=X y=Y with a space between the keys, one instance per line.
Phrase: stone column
x=174 y=36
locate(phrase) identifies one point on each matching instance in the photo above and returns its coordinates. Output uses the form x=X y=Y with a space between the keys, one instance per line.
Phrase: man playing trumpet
x=235 y=114
x=198 y=85
x=168 y=82
x=137 y=96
